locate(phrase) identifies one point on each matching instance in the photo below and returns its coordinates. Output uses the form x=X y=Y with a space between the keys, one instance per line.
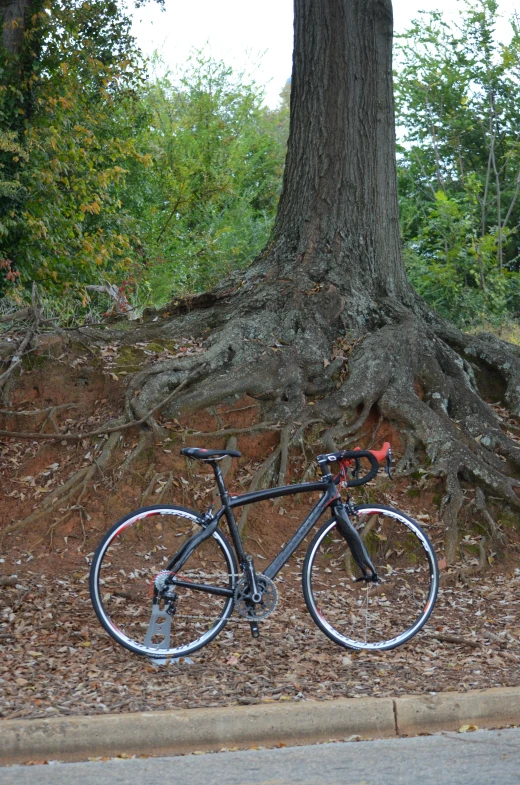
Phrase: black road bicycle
x=164 y=580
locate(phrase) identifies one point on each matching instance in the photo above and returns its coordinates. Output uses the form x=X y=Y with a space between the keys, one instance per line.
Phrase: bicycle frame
x=325 y=486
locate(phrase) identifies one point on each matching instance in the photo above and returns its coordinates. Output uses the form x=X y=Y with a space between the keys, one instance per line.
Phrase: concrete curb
x=185 y=730
x=450 y=710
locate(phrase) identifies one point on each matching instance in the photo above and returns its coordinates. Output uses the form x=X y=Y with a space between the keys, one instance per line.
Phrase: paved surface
x=478 y=758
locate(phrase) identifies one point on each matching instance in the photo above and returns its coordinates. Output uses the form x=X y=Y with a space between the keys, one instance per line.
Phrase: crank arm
x=256 y=596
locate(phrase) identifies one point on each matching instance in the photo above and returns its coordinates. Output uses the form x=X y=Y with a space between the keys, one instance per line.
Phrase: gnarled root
x=75 y=487
x=415 y=372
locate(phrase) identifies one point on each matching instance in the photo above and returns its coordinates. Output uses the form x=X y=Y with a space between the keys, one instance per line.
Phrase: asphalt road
x=478 y=758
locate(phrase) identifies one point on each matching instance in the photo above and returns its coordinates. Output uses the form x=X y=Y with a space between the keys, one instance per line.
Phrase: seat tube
x=220 y=483
x=233 y=528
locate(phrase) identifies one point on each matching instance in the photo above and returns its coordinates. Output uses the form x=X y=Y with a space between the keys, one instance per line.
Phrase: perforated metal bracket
x=160 y=626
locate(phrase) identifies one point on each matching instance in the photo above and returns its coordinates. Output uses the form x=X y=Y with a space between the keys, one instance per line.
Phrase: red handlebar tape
x=381 y=454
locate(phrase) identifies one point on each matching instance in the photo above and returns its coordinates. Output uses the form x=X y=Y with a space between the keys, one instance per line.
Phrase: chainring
x=256 y=611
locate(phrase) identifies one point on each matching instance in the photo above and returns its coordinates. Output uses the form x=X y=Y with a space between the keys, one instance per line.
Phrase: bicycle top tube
x=282 y=490
x=322 y=486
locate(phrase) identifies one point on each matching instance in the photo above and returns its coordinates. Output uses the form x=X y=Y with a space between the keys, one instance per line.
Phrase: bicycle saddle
x=204 y=455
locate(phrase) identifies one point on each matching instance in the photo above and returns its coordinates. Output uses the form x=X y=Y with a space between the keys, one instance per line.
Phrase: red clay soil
x=57 y=660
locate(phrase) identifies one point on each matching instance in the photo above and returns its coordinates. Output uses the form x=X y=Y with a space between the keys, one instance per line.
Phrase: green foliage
x=11 y=189
x=208 y=200
x=458 y=103
x=64 y=226
x=110 y=176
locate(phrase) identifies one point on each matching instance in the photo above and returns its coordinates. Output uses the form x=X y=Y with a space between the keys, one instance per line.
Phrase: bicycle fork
x=355 y=543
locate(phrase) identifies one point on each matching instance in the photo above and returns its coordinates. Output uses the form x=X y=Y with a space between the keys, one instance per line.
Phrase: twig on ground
x=455 y=640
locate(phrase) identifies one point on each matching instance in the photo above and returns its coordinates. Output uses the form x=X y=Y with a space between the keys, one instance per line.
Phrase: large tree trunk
x=338 y=217
x=323 y=328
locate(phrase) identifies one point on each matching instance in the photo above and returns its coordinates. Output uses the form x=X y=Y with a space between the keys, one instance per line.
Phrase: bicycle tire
x=360 y=615
x=123 y=569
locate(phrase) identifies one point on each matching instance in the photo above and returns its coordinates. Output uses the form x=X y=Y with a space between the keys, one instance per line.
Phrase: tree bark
x=12 y=19
x=338 y=216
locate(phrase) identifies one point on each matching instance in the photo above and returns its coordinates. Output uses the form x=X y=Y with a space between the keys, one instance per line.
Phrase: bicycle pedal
x=255 y=631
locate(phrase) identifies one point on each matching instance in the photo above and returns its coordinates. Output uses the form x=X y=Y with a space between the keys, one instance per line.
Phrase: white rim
x=125 y=639
x=410 y=632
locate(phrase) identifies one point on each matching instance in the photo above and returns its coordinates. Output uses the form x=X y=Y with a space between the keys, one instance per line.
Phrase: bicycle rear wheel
x=123 y=573
x=375 y=616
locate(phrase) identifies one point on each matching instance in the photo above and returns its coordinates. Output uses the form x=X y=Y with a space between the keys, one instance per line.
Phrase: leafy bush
x=458 y=103
x=209 y=197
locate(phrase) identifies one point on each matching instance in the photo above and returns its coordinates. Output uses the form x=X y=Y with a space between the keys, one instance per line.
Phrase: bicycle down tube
x=327 y=488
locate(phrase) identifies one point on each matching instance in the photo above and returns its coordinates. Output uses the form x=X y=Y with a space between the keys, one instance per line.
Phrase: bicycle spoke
x=372 y=615
x=126 y=573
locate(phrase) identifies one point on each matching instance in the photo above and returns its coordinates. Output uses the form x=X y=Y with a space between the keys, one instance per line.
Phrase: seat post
x=220 y=483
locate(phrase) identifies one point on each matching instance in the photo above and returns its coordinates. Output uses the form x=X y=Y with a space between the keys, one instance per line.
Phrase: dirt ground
x=55 y=659
x=60 y=662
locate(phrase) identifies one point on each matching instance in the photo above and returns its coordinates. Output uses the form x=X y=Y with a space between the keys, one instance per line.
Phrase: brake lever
x=357 y=467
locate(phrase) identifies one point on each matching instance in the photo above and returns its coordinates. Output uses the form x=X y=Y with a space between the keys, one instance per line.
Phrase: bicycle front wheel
x=124 y=571
x=377 y=616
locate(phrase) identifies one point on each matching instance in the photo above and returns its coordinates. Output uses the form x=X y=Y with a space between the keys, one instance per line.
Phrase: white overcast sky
x=245 y=33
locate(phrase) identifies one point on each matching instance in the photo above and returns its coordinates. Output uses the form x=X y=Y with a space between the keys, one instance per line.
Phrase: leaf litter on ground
x=57 y=661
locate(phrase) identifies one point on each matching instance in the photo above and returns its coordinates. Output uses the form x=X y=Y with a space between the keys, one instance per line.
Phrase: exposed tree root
x=76 y=487
x=16 y=359
x=494 y=531
x=278 y=457
x=129 y=423
x=158 y=489
x=279 y=346
x=71 y=510
x=258 y=476
x=145 y=497
x=146 y=441
x=227 y=463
